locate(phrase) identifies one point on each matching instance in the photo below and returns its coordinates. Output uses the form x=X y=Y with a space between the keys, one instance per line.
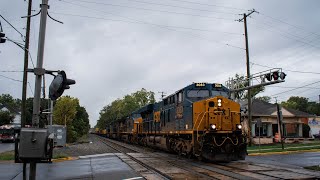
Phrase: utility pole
x=244 y=19
x=25 y=78
x=25 y=73
x=39 y=72
x=162 y=94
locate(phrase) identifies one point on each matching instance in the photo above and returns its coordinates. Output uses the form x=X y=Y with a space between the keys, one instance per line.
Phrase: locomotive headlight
x=219 y=102
x=213 y=126
x=239 y=126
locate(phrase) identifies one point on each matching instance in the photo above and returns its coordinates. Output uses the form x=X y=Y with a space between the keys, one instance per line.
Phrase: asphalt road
x=296 y=160
x=6 y=147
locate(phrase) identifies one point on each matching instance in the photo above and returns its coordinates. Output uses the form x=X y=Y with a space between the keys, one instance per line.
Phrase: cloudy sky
x=116 y=47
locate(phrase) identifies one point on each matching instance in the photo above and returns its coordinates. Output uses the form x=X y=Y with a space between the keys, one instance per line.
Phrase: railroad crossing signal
x=2 y=37
x=256 y=80
x=274 y=75
x=59 y=84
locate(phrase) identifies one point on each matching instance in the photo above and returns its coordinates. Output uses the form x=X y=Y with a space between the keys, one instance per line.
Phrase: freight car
x=198 y=120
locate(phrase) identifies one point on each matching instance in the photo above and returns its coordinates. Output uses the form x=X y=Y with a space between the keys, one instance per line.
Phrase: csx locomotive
x=198 y=120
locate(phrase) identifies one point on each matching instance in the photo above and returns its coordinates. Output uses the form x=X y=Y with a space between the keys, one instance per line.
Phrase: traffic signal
x=59 y=84
x=2 y=37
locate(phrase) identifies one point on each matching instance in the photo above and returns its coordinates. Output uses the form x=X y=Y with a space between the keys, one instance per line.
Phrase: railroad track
x=171 y=166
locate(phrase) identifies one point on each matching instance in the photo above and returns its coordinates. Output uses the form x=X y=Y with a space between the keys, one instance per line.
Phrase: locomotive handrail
x=197 y=120
x=200 y=123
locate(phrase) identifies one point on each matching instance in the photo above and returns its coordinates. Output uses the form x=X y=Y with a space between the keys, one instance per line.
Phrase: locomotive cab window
x=180 y=97
x=220 y=93
x=201 y=93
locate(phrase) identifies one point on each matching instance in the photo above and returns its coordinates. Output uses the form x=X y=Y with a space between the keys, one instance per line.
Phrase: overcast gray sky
x=116 y=47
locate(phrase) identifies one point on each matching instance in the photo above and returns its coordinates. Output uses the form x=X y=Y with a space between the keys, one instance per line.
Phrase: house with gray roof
x=266 y=126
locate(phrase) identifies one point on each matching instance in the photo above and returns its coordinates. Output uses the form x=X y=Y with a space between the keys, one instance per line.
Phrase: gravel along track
x=95 y=147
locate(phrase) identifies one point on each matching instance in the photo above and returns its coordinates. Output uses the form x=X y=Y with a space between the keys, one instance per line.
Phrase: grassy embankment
x=287 y=147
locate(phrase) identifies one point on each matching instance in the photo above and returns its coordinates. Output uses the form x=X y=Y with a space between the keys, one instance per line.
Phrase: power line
x=30 y=88
x=168 y=5
x=22 y=47
x=12 y=26
x=305 y=72
x=11 y=71
x=10 y=78
x=290 y=87
x=187 y=33
x=210 y=5
x=292 y=25
x=148 y=23
x=295 y=88
x=146 y=9
x=136 y=21
x=287 y=35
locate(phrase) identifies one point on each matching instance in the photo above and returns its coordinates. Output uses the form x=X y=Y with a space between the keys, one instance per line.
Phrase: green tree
x=6 y=117
x=8 y=100
x=44 y=104
x=242 y=82
x=124 y=107
x=296 y=102
x=264 y=98
x=64 y=112
x=81 y=122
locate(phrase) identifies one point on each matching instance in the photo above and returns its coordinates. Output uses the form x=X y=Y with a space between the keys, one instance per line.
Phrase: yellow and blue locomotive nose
x=222 y=114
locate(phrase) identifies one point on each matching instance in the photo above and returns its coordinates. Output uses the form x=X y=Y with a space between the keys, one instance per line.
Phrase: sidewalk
x=108 y=166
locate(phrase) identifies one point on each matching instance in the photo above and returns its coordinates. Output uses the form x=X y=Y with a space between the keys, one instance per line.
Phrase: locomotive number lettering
x=217 y=85
x=200 y=84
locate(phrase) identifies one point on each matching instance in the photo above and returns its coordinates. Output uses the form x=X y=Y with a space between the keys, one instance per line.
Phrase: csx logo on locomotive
x=201 y=122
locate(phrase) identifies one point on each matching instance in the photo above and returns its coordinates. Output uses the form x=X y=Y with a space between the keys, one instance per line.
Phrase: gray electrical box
x=33 y=143
x=60 y=134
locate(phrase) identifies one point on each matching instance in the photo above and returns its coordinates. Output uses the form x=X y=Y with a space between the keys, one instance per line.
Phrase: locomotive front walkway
x=108 y=166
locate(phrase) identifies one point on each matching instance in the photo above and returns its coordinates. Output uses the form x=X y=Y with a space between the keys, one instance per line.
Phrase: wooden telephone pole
x=244 y=19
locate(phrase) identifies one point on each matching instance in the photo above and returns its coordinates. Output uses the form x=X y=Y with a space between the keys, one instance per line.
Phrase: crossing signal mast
x=264 y=78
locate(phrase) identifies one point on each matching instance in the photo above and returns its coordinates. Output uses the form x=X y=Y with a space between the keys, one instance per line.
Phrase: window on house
x=263 y=129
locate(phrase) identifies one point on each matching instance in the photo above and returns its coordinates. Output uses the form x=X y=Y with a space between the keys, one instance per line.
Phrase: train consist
x=198 y=120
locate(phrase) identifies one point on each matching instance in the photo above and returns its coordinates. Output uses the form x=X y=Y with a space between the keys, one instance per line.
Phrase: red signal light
x=275 y=75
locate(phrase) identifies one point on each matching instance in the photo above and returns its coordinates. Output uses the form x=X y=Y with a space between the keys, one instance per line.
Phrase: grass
x=59 y=155
x=315 y=168
x=287 y=147
x=7 y=156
